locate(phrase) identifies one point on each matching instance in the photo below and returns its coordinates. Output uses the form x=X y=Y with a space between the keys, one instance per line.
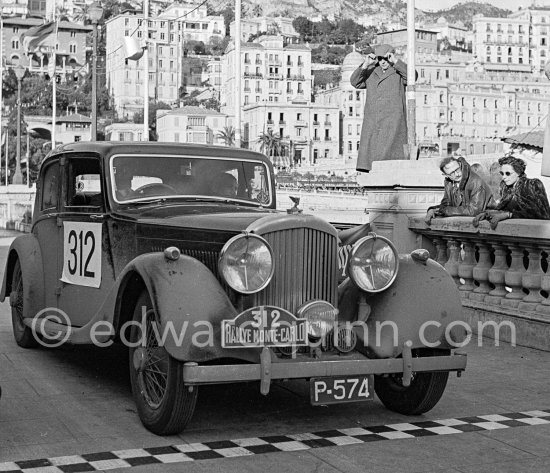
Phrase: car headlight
x=246 y=263
x=373 y=263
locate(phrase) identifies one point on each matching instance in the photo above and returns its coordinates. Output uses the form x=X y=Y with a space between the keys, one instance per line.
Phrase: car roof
x=109 y=148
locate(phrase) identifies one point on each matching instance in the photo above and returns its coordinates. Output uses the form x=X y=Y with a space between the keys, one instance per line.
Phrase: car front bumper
x=269 y=369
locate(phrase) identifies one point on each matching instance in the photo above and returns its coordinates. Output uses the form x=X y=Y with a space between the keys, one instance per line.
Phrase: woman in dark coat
x=384 y=131
x=520 y=197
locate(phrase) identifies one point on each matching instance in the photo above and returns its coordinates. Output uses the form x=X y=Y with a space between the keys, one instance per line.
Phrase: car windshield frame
x=189 y=197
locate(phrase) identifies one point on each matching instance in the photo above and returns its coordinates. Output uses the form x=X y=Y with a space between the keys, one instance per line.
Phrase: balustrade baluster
x=497 y=274
x=454 y=260
x=466 y=268
x=531 y=280
x=441 y=247
x=513 y=278
x=481 y=272
x=544 y=306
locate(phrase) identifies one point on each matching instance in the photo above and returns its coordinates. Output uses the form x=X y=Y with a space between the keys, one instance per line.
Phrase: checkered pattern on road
x=276 y=443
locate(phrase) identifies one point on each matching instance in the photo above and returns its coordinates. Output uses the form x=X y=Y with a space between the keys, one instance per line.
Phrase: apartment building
x=191 y=125
x=272 y=72
x=522 y=38
x=70 y=46
x=168 y=71
x=274 y=25
x=456 y=34
x=425 y=41
x=309 y=129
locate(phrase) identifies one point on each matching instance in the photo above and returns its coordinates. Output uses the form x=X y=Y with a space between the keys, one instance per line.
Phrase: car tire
x=23 y=335
x=422 y=395
x=164 y=404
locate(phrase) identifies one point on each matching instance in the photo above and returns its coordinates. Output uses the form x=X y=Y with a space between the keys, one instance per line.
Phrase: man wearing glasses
x=466 y=193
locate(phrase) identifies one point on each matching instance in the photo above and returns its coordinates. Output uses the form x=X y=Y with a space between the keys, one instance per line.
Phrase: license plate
x=341 y=389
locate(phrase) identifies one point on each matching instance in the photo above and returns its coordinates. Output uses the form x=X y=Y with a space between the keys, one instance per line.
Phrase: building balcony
x=274 y=91
x=274 y=62
x=258 y=62
x=247 y=89
x=282 y=122
x=289 y=63
x=328 y=123
x=300 y=64
x=328 y=138
x=275 y=76
x=295 y=77
x=270 y=122
x=301 y=123
x=315 y=122
x=316 y=138
x=247 y=61
x=253 y=75
x=258 y=90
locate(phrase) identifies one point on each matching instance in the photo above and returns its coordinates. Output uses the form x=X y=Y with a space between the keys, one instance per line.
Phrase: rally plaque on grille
x=264 y=326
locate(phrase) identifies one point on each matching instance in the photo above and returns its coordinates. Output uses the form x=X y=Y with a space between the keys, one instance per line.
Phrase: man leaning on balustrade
x=520 y=197
x=466 y=193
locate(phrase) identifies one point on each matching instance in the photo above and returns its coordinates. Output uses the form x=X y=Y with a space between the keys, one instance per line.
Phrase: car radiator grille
x=305 y=268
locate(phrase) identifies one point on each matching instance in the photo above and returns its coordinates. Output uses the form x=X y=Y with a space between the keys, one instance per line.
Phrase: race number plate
x=264 y=326
x=82 y=253
x=341 y=389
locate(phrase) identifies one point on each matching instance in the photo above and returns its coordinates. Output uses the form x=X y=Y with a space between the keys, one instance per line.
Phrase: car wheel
x=423 y=394
x=23 y=334
x=164 y=404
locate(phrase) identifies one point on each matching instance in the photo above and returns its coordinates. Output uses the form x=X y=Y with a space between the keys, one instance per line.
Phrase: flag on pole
x=39 y=36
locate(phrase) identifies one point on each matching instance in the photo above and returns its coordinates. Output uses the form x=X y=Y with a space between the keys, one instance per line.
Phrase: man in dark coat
x=466 y=193
x=384 y=131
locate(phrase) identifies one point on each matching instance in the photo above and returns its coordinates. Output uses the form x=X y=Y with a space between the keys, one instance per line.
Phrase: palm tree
x=227 y=135
x=270 y=143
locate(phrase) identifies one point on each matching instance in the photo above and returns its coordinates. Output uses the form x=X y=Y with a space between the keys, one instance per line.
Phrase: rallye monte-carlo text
x=179 y=252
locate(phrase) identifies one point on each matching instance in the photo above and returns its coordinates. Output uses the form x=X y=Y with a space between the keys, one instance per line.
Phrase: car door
x=85 y=270
x=46 y=229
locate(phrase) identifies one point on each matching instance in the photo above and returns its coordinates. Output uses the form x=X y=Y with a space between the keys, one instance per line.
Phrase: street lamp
x=95 y=12
x=18 y=176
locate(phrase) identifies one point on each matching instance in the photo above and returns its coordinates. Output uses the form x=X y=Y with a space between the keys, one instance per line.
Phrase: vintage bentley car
x=179 y=252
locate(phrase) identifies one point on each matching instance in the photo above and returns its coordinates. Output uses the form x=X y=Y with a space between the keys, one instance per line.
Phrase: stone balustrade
x=499 y=273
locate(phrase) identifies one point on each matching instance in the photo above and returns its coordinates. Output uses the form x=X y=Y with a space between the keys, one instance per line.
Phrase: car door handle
x=97 y=217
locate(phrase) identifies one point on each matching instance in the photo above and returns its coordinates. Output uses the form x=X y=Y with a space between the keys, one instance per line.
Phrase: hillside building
x=191 y=125
x=521 y=39
x=271 y=25
x=426 y=40
x=168 y=72
x=70 y=46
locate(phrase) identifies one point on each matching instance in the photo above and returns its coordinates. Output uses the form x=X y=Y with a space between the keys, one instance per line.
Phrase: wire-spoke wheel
x=23 y=334
x=164 y=404
x=422 y=395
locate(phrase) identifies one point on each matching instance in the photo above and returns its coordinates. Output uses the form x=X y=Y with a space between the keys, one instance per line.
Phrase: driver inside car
x=123 y=180
x=225 y=185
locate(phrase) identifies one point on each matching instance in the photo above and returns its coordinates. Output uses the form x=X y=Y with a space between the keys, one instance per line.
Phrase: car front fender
x=190 y=303
x=26 y=249
x=419 y=306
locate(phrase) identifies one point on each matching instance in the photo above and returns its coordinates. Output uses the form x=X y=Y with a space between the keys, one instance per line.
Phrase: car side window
x=84 y=193
x=50 y=187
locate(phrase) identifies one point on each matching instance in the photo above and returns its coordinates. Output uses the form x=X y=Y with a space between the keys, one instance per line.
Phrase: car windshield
x=145 y=178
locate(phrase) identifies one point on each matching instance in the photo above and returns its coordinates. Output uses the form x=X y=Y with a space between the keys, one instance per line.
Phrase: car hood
x=223 y=218
x=203 y=217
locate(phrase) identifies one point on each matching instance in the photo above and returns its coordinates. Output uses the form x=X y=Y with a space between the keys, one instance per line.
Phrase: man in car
x=466 y=193
x=225 y=185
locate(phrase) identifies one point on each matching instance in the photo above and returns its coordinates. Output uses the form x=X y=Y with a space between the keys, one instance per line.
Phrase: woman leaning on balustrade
x=520 y=197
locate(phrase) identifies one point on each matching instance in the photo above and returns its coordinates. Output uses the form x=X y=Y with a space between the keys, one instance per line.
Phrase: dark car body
x=94 y=251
